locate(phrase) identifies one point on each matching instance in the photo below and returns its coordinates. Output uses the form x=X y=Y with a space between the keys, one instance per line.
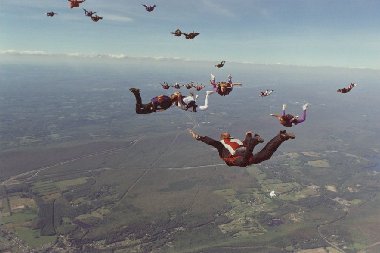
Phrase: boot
x=134 y=90
x=286 y=136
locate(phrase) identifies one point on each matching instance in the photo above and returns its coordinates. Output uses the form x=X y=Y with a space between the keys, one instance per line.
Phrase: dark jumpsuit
x=153 y=106
x=247 y=157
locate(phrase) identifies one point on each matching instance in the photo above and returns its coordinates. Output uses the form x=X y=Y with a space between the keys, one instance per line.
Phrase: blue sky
x=344 y=33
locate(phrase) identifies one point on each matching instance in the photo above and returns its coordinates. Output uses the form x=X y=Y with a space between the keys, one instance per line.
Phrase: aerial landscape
x=81 y=170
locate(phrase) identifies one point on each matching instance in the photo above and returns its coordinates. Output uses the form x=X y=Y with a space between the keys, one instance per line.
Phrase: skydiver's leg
x=140 y=107
x=283 y=109
x=303 y=118
x=252 y=143
x=205 y=107
x=245 y=153
x=271 y=147
x=192 y=105
x=136 y=92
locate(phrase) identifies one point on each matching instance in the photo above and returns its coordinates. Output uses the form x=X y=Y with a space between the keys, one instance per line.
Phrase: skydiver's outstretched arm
x=276 y=116
x=216 y=144
x=205 y=107
x=213 y=83
x=271 y=147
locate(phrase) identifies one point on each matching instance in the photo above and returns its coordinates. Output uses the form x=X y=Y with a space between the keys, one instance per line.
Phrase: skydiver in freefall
x=189 y=85
x=265 y=93
x=237 y=153
x=176 y=86
x=347 y=89
x=51 y=14
x=199 y=87
x=288 y=120
x=88 y=13
x=221 y=64
x=177 y=33
x=149 y=8
x=75 y=3
x=96 y=18
x=156 y=104
x=190 y=36
x=165 y=85
x=223 y=88
x=187 y=102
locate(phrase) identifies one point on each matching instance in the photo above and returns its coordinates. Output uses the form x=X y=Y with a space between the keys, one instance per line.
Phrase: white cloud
x=117 y=18
x=24 y=52
x=81 y=55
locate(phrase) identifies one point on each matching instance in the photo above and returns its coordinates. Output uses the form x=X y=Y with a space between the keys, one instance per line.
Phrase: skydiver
x=265 y=93
x=223 y=88
x=75 y=3
x=88 y=13
x=149 y=8
x=288 y=120
x=221 y=64
x=96 y=18
x=190 y=36
x=177 y=86
x=156 y=104
x=237 y=153
x=347 y=89
x=199 y=87
x=165 y=85
x=188 y=102
x=177 y=33
x=189 y=85
x=51 y=14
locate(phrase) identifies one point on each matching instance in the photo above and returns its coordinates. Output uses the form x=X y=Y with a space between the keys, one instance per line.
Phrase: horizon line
x=122 y=56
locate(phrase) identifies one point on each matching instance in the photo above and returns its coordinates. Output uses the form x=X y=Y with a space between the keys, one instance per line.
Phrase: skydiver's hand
x=193 y=134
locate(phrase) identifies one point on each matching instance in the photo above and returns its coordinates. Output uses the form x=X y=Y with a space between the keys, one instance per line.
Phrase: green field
x=149 y=208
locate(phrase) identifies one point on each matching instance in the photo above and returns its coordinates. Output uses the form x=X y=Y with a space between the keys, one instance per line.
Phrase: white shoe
x=209 y=92
x=305 y=106
x=283 y=106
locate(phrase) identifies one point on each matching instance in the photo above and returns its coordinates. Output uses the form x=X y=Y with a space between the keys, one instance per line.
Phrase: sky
x=339 y=33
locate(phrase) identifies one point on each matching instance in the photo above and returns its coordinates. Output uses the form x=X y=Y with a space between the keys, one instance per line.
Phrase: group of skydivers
x=75 y=4
x=91 y=14
x=94 y=17
x=190 y=85
x=232 y=151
